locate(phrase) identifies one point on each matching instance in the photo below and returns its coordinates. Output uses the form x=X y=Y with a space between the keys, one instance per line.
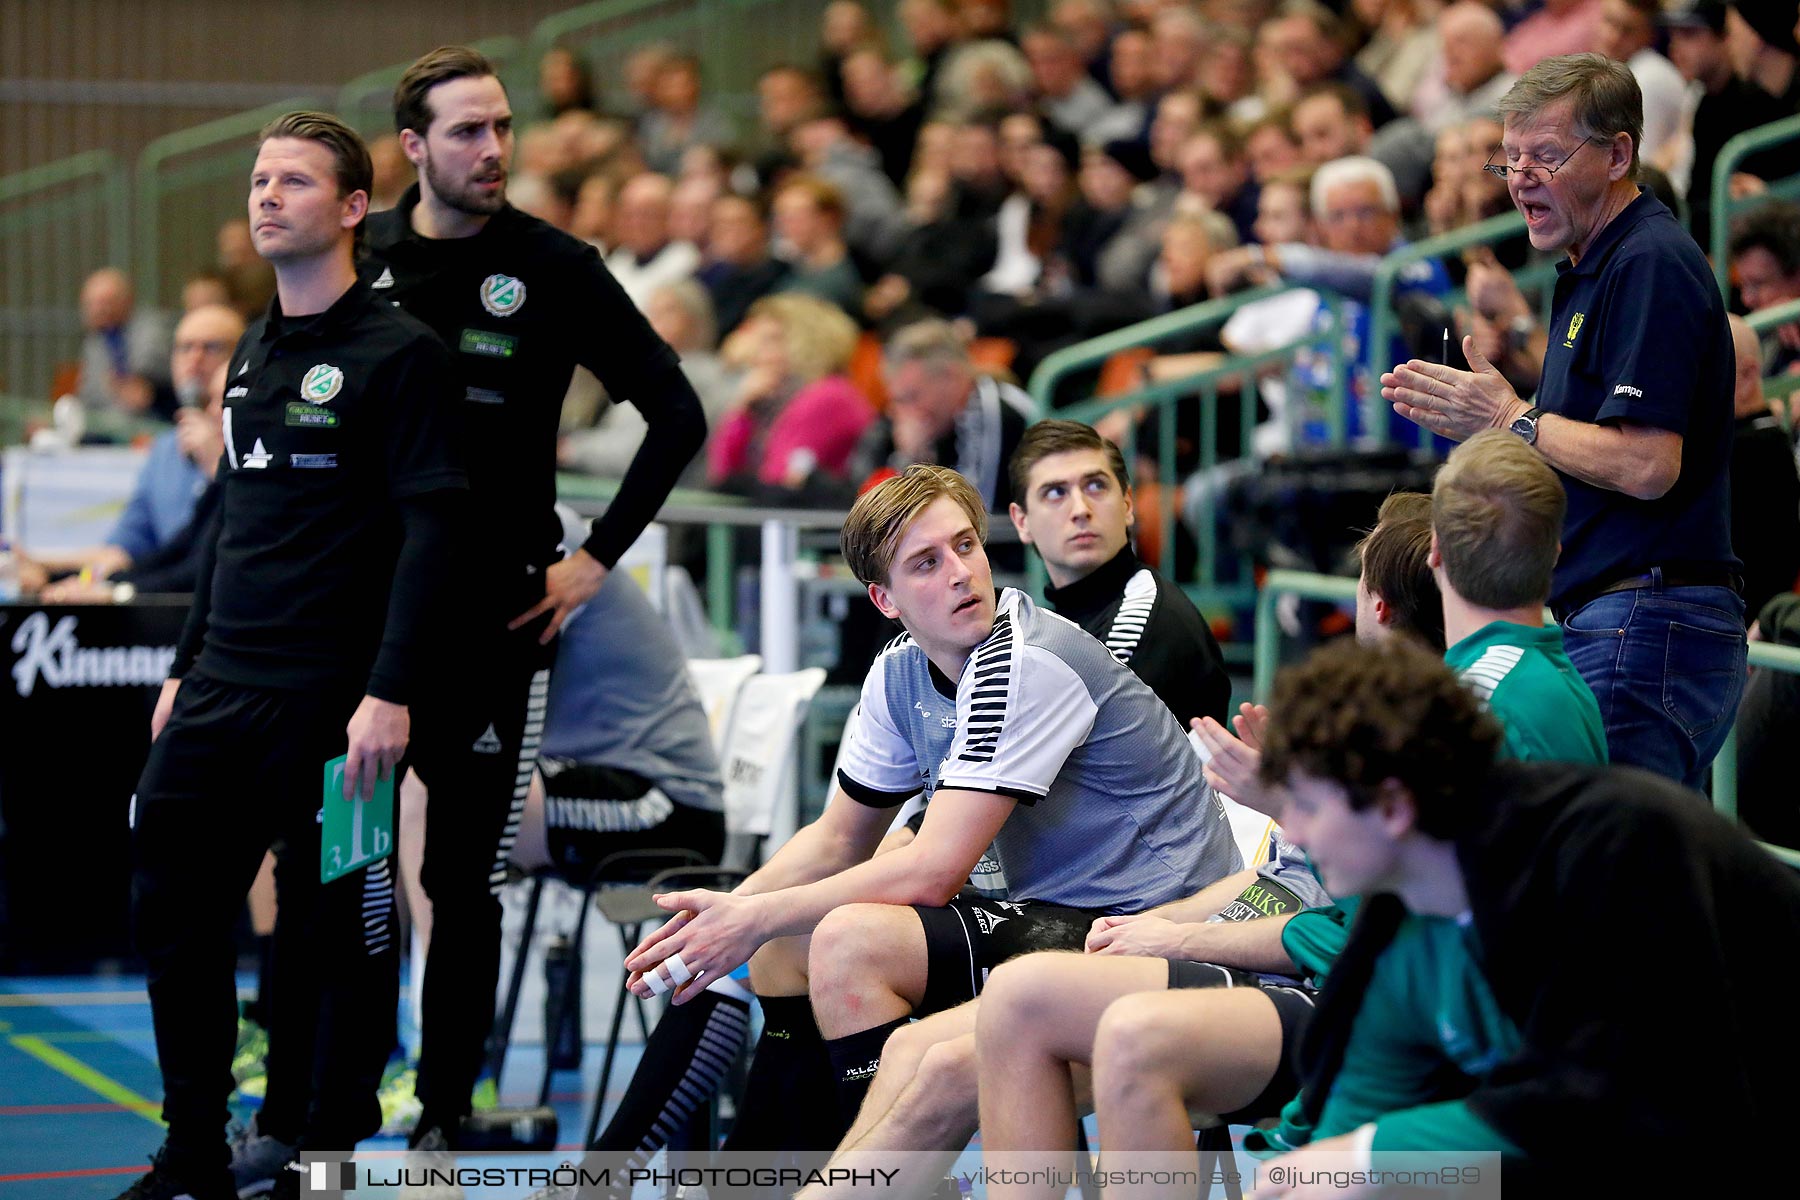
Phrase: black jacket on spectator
x=734 y=289
x=1765 y=509
x=1738 y=107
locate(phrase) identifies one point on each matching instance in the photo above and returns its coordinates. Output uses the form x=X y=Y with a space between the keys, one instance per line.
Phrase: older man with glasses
x=1634 y=411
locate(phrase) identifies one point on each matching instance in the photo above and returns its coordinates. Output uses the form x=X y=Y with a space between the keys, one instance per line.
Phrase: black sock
x=786 y=1103
x=687 y=1057
x=258 y=1008
x=854 y=1060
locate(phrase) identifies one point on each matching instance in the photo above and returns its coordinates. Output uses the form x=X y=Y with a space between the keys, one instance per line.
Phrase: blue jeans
x=1668 y=668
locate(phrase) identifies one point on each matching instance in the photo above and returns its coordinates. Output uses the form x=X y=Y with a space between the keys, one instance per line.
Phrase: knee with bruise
x=852 y=948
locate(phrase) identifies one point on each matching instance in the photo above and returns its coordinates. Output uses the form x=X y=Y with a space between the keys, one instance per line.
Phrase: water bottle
x=562 y=1028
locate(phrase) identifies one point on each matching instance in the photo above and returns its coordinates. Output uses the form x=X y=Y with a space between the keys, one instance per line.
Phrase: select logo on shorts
x=1575 y=324
x=502 y=295
x=322 y=383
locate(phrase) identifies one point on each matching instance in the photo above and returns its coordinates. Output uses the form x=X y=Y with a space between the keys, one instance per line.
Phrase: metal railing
x=366 y=103
x=1338 y=589
x=1384 y=320
x=200 y=174
x=1724 y=208
x=58 y=223
x=1203 y=388
x=1777 y=387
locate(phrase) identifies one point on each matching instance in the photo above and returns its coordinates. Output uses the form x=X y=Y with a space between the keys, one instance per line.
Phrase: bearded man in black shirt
x=341 y=496
x=520 y=304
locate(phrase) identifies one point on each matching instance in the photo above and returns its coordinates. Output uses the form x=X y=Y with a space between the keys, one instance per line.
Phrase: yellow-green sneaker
x=399 y=1102
x=486 y=1094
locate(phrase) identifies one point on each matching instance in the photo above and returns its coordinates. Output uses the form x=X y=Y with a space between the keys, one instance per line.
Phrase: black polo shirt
x=1638 y=334
x=330 y=423
x=1151 y=626
x=519 y=304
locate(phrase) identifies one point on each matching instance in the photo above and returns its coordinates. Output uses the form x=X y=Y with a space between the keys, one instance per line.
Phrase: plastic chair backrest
x=719 y=680
x=758 y=762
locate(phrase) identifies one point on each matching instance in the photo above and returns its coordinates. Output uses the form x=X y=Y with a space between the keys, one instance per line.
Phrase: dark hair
x=1396 y=565
x=351 y=165
x=1361 y=715
x=1774 y=227
x=1060 y=437
x=1353 y=104
x=412 y=105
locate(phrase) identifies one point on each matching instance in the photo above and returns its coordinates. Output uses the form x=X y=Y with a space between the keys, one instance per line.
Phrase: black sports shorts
x=1293 y=1008
x=970 y=936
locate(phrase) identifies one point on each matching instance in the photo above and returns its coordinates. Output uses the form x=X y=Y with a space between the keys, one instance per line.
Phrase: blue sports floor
x=80 y=1092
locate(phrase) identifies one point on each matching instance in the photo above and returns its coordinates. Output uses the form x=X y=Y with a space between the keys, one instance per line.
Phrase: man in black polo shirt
x=1635 y=413
x=1073 y=503
x=519 y=303
x=342 y=490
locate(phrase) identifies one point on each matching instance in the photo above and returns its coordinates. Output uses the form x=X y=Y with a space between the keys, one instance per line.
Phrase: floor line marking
x=70 y=999
x=72 y=1067
x=83 y=1173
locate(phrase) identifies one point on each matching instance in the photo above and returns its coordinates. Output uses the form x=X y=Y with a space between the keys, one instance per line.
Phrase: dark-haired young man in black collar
x=1072 y=500
x=520 y=304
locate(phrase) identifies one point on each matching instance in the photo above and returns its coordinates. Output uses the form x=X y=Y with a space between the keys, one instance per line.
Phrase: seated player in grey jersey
x=1072 y=500
x=1238 y=938
x=1024 y=733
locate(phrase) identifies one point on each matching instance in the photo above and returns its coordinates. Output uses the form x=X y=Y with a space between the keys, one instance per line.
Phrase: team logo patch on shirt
x=502 y=295
x=322 y=383
x=313 y=462
x=1575 y=324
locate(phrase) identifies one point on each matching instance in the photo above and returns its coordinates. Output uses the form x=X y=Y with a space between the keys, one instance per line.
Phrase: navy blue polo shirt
x=1638 y=334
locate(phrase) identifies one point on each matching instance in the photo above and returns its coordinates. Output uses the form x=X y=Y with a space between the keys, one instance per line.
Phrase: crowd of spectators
x=1040 y=183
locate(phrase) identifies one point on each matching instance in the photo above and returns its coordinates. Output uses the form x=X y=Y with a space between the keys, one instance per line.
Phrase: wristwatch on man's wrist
x=1526 y=425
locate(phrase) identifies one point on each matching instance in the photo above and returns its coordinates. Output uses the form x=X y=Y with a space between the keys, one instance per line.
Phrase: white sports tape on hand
x=655 y=980
x=678 y=970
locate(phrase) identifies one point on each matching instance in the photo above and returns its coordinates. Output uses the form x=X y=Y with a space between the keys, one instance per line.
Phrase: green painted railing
x=1384 y=321
x=1202 y=387
x=367 y=102
x=1777 y=387
x=1724 y=208
x=188 y=184
x=58 y=223
x=1338 y=589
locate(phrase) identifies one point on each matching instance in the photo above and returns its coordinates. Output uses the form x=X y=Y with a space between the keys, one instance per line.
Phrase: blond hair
x=818 y=336
x=881 y=516
x=1497 y=509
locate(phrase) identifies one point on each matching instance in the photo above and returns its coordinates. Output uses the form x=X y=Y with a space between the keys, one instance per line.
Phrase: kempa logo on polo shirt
x=322 y=383
x=1627 y=390
x=1575 y=324
x=502 y=295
